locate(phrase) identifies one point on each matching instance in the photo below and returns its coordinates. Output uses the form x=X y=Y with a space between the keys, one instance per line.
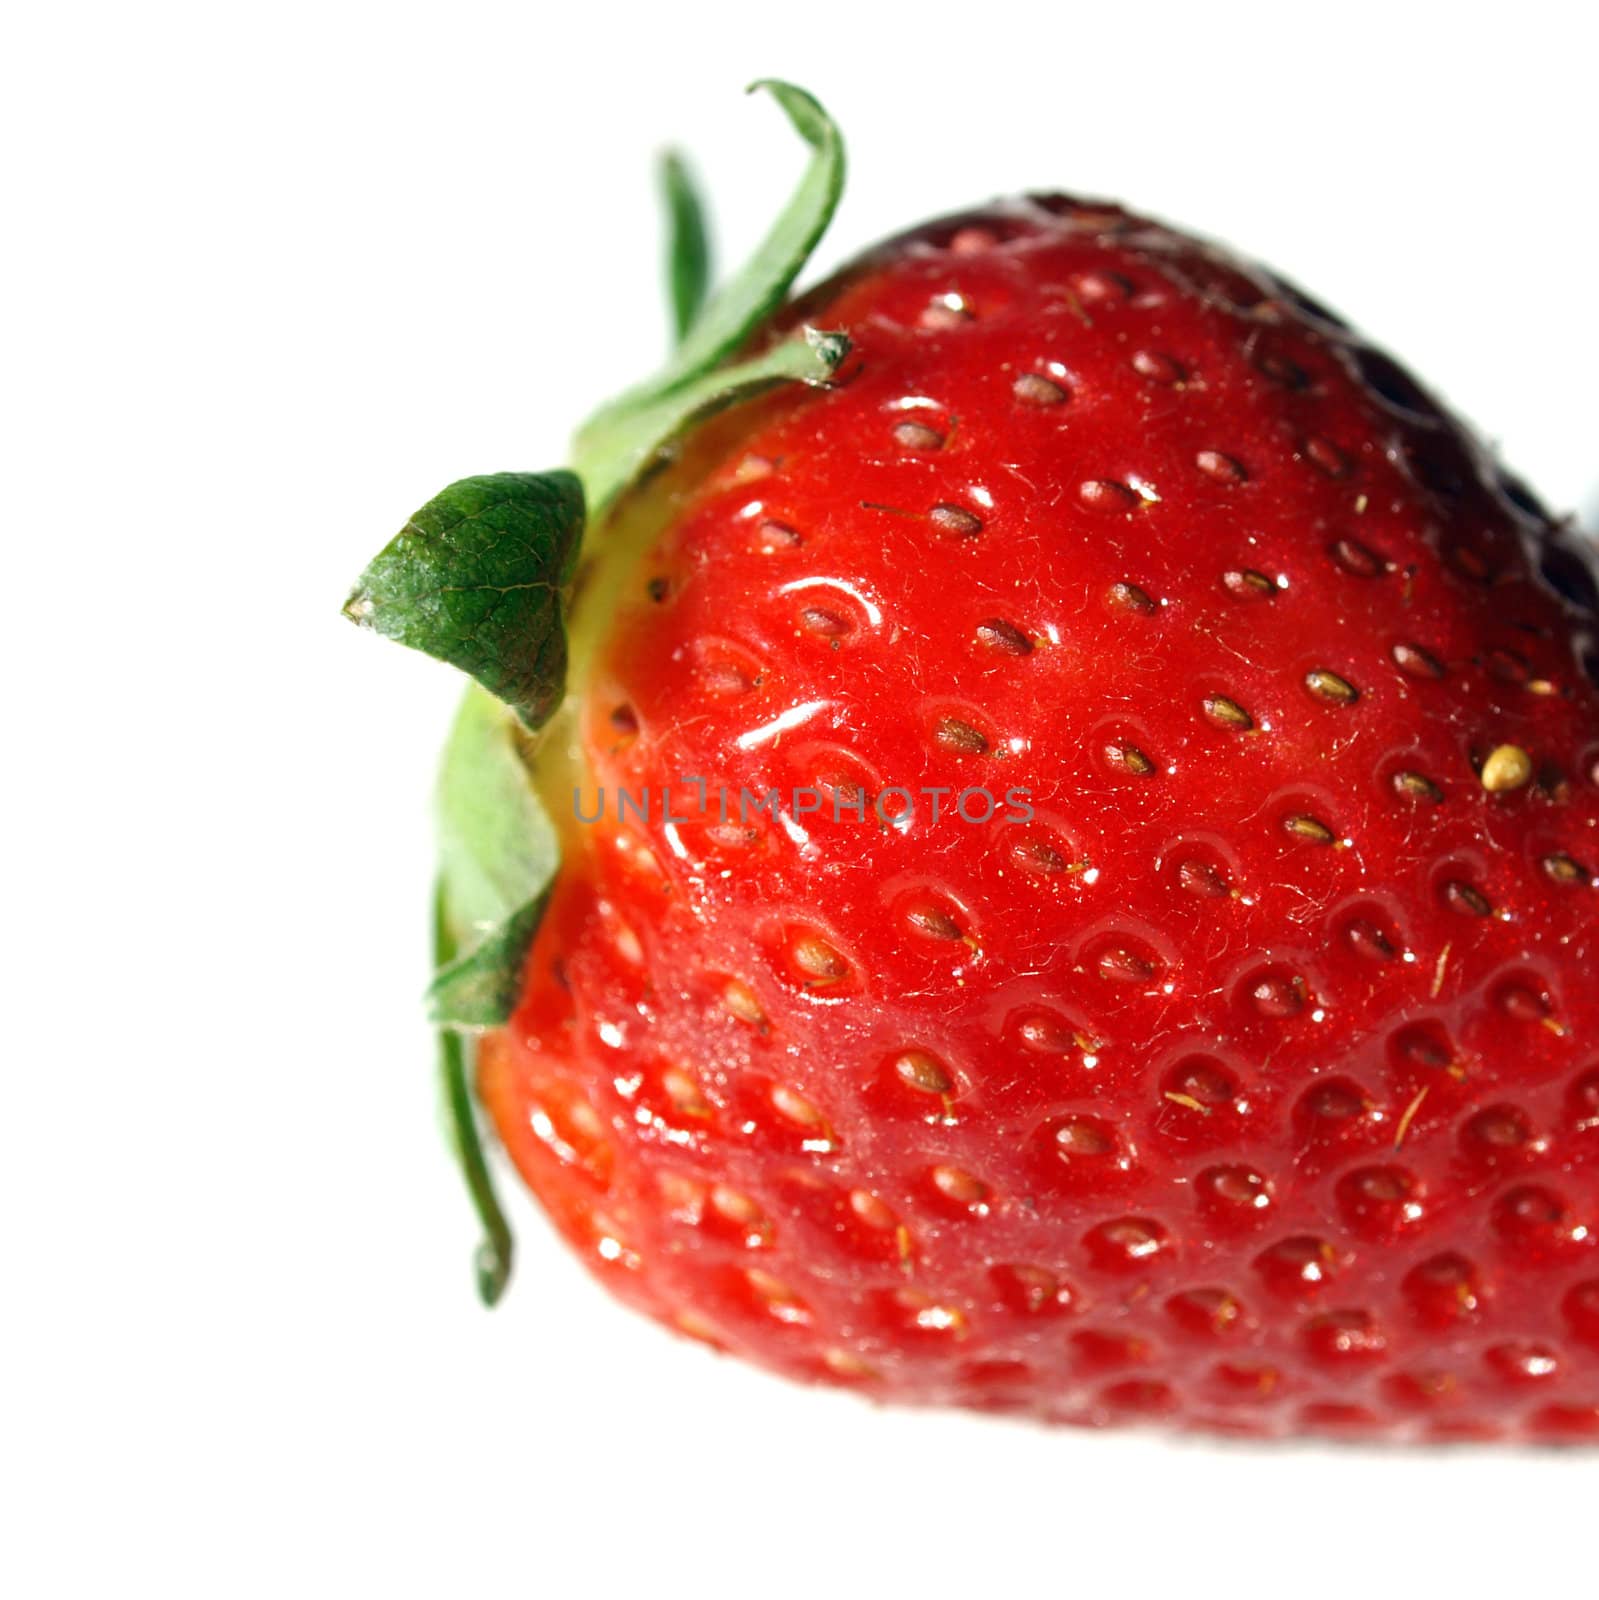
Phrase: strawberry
x=1076 y=826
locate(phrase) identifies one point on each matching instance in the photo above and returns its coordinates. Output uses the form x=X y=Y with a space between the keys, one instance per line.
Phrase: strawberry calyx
x=483 y=577
x=723 y=324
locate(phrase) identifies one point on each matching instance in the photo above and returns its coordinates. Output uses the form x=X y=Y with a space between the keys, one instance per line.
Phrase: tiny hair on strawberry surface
x=1022 y=837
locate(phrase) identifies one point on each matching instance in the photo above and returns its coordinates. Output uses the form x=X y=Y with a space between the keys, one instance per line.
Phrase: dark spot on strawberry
x=1281 y=370
x=1309 y=830
x=814 y=961
x=1227 y=713
x=1044 y=1034
x=1102 y=494
x=1098 y=287
x=1247 y=584
x=956 y=1192
x=1203 y=878
x=956 y=521
x=1222 y=468
x=1326 y=457
x=1158 y=367
x=959 y=738
x=1035 y=855
x=1562 y=869
x=819 y=620
x=1123 y=964
x=1079 y=1137
x=1357 y=559
x=724 y=671
x=924 y=1072
x=796 y=1108
x=1330 y=688
x=1034 y=389
x=1129 y=597
x=1415 y=662
x=1121 y=756
x=917 y=436
x=932 y=921
x=1370 y=934
x=743 y=1003
x=1416 y=787
x=1003 y=638
x=1465 y=898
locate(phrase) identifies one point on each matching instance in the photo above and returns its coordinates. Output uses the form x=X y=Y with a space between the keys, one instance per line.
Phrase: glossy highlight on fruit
x=1251 y=1082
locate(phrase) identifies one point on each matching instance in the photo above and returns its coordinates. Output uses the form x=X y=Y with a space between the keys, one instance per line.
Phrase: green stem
x=496 y=1249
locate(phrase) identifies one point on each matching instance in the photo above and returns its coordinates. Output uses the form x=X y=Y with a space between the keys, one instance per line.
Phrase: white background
x=275 y=275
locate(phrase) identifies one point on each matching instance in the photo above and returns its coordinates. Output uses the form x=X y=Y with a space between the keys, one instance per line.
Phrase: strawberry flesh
x=1251 y=1084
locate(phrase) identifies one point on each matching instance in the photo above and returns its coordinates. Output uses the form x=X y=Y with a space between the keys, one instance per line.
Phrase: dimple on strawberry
x=1024 y=839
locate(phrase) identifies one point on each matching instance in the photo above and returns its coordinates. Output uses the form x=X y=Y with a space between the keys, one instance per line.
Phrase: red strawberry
x=1240 y=1068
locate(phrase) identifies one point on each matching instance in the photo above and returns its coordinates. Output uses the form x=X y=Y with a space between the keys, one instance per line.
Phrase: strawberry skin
x=1252 y=1083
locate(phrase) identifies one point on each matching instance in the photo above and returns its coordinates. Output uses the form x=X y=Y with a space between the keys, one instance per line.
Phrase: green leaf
x=497 y=848
x=745 y=301
x=614 y=449
x=497 y=1247
x=476 y=578
x=688 y=248
x=479 y=989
